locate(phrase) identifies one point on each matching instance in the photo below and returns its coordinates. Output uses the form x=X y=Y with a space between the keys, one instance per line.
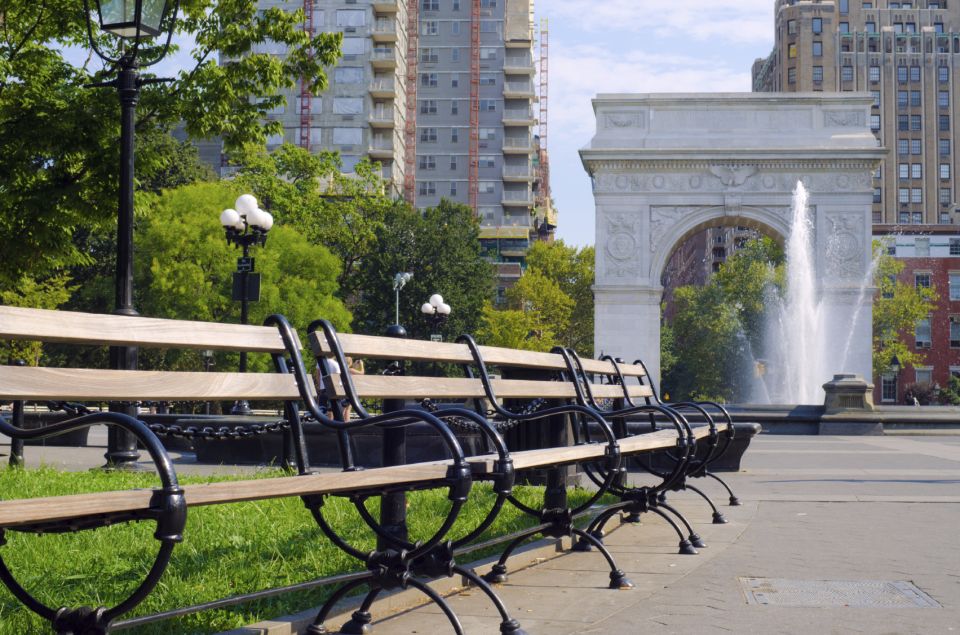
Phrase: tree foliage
x=60 y=155
x=511 y=328
x=441 y=248
x=896 y=310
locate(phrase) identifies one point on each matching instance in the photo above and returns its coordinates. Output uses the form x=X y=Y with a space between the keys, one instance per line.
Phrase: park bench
x=532 y=387
x=396 y=562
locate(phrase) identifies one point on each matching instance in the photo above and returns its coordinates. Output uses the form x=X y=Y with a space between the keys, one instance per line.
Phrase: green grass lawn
x=227 y=550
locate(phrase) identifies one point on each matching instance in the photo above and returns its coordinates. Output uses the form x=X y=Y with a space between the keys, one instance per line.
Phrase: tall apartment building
x=363 y=112
x=907 y=55
x=472 y=102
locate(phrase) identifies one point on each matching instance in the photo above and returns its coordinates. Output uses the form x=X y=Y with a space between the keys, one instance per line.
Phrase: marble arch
x=664 y=165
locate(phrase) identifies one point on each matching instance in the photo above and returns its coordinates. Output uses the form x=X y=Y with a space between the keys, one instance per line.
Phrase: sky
x=636 y=46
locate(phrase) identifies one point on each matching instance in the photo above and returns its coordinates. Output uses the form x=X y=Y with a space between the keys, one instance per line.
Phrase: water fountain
x=796 y=359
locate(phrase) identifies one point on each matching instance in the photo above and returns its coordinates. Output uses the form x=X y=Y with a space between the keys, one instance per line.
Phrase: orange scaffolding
x=410 y=122
x=473 y=178
x=543 y=193
x=306 y=98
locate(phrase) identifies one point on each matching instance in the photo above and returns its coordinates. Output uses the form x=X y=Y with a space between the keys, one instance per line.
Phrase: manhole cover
x=827 y=593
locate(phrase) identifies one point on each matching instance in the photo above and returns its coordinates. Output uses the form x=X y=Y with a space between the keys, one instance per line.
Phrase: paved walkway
x=852 y=509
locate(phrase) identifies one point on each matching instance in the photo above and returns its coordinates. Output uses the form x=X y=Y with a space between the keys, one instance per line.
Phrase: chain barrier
x=466 y=425
x=220 y=433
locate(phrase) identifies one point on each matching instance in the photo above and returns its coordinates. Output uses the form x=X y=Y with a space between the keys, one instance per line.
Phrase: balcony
x=382 y=118
x=517 y=173
x=383 y=88
x=517 y=145
x=519 y=66
x=385 y=6
x=518 y=90
x=381 y=147
x=522 y=198
x=518 y=117
x=383 y=57
x=384 y=30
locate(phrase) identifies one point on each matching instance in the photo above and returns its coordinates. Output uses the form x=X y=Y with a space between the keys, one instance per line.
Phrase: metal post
x=122 y=445
x=242 y=407
x=393 y=507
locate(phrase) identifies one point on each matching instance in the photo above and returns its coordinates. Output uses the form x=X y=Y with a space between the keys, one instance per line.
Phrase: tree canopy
x=60 y=156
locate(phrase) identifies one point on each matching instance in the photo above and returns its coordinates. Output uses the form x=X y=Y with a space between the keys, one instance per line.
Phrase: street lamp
x=895 y=367
x=134 y=21
x=400 y=281
x=246 y=226
x=438 y=311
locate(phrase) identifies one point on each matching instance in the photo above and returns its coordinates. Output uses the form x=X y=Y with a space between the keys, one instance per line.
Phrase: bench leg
x=734 y=501
x=318 y=627
x=618 y=579
x=439 y=601
x=508 y=625
x=686 y=547
x=498 y=573
x=692 y=536
x=360 y=621
x=718 y=518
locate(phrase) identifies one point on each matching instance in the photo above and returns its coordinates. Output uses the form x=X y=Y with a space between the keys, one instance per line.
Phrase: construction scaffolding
x=473 y=178
x=543 y=192
x=306 y=98
x=410 y=121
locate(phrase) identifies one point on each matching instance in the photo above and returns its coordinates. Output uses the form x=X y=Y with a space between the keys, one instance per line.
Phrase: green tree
x=61 y=158
x=441 y=248
x=188 y=266
x=511 y=328
x=571 y=271
x=50 y=293
x=896 y=310
x=548 y=306
x=345 y=213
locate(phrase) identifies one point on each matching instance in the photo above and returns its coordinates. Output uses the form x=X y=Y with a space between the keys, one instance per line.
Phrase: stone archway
x=663 y=165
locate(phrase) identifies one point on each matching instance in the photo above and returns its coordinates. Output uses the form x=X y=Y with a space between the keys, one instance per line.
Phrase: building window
x=903 y=122
x=954 y=284
x=922 y=335
x=429 y=55
x=914 y=73
x=903 y=170
x=428 y=162
x=921 y=247
x=955 y=246
x=453 y=162
x=902 y=74
x=874 y=121
x=955 y=331
x=428 y=188
x=454 y=135
x=915 y=123
x=455 y=28
x=943 y=99
x=488 y=53
x=351 y=17
x=877 y=195
x=888 y=388
x=943 y=74
x=431 y=5
x=876 y=98
x=903 y=98
x=430 y=27
x=791 y=76
x=915 y=98
x=844 y=27
x=453 y=188
x=944 y=123
x=817 y=74
x=944 y=170
x=903 y=146
x=455 y=54
x=871 y=27
x=916 y=195
x=817 y=25
x=428 y=80
x=487 y=134
x=454 y=107
x=791 y=27
x=817 y=48
x=844 y=6
x=904 y=218
x=874 y=74
x=916 y=170
x=487 y=187
x=917 y=218
x=488 y=4
x=946 y=197
x=488 y=105
x=903 y=195
x=921 y=280
x=846 y=73
x=943 y=146
x=428 y=135
x=487 y=161
x=924 y=375
x=915 y=146
x=454 y=80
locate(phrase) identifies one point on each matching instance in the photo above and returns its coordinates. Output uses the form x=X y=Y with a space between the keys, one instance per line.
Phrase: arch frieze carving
x=724 y=178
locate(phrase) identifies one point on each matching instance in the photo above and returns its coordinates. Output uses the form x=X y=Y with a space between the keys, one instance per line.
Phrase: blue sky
x=636 y=46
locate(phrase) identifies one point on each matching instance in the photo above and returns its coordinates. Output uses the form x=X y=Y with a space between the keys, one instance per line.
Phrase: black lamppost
x=895 y=367
x=133 y=21
x=437 y=311
x=246 y=227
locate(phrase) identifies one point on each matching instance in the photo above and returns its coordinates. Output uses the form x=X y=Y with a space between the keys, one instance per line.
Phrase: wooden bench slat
x=71 y=327
x=85 y=384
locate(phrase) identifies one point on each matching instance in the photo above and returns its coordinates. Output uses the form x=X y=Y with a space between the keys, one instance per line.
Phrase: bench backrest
x=501 y=361
x=84 y=384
